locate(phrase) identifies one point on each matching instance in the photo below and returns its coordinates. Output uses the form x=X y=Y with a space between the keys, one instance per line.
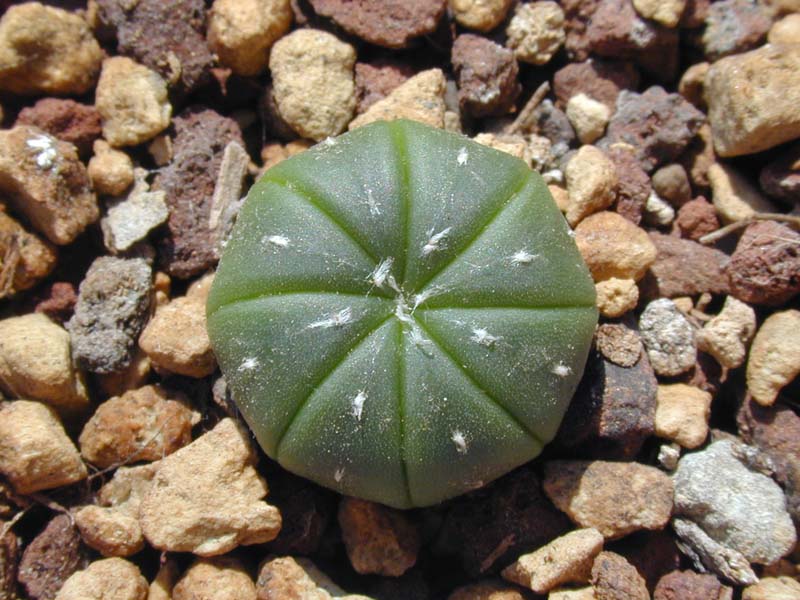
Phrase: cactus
x=401 y=314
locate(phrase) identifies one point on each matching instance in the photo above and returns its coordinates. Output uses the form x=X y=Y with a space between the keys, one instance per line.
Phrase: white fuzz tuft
x=343 y=317
x=338 y=474
x=484 y=338
x=382 y=274
x=374 y=209
x=281 y=241
x=419 y=299
x=522 y=257
x=420 y=341
x=463 y=156
x=432 y=245
x=358 y=404
x=561 y=370
x=460 y=441
x=248 y=364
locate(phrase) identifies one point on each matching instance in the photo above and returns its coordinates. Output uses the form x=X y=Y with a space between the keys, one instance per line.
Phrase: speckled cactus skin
x=401 y=314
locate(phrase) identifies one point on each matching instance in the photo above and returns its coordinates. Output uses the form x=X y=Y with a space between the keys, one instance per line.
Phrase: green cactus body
x=401 y=314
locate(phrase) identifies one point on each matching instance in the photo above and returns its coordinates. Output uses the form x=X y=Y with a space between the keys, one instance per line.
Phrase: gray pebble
x=668 y=337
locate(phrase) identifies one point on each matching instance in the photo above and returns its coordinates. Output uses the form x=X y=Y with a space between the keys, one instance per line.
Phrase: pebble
x=287 y=577
x=614 y=578
x=591 y=183
x=487 y=76
x=112 y=525
x=682 y=413
x=765 y=267
x=44 y=179
x=696 y=219
x=727 y=335
x=67 y=120
x=35 y=452
x=688 y=585
x=659 y=125
x=733 y=27
x=312 y=75
x=668 y=338
x=693 y=84
x=567 y=559
x=666 y=13
x=781 y=178
x=189 y=247
x=757 y=524
x=612 y=412
x=133 y=102
x=212 y=510
x=750 y=113
x=658 y=211
x=51 y=558
x=113 y=305
x=584 y=593
x=552 y=123
x=489 y=589
x=684 y=268
x=536 y=31
x=619 y=344
x=774 y=359
x=734 y=197
x=699 y=156
x=709 y=555
x=512 y=144
x=588 y=117
x=387 y=23
x=633 y=184
x=612 y=246
x=167 y=37
x=775 y=430
x=597 y=78
x=25 y=259
x=379 y=540
x=376 y=80
x=241 y=33
x=46 y=50
x=130 y=219
x=773 y=588
x=785 y=30
x=421 y=98
x=483 y=15
x=497 y=523
x=671 y=183
x=615 y=297
x=111 y=171
x=36 y=363
x=166 y=577
x=616 y=498
x=222 y=578
x=144 y=424
x=109 y=578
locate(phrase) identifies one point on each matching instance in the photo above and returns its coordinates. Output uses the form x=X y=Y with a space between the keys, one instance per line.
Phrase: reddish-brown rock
x=487 y=76
x=633 y=184
x=9 y=559
x=695 y=219
x=614 y=578
x=684 y=268
x=388 y=23
x=765 y=267
x=598 y=78
x=65 y=119
x=734 y=26
x=58 y=301
x=688 y=585
x=376 y=80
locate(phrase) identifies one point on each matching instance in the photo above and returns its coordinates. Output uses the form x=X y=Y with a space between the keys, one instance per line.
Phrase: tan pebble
x=241 y=32
x=133 y=376
x=588 y=117
x=24 y=258
x=612 y=246
x=618 y=344
x=420 y=98
x=734 y=197
x=160 y=149
x=591 y=182
x=141 y=425
x=786 y=30
x=515 y=145
x=536 y=31
x=615 y=297
x=614 y=578
x=212 y=510
x=682 y=413
x=685 y=304
x=200 y=288
x=313 y=82
x=699 y=156
x=666 y=12
x=584 y=593
x=616 y=498
x=44 y=179
x=132 y=101
x=726 y=336
x=107 y=579
x=560 y=195
x=487 y=590
x=379 y=540
x=161 y=586
x=111 y=171
x=481 y=15
x=752 y=99
x=774 y=359
x=176 y=339
x=36 y=363
x=285 y=577
x=222 y=578
x=692 y=84
x=35 y=452
x=46 y=50
x=567 y=559
x=773 y=588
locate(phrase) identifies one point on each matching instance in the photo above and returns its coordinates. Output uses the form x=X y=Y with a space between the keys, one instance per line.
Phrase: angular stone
x=727 y=336
x=376 y=80
x=733 y=27
x=668 y=337
x=633 y=184
x=688 y=585
x=591 y=183
x=614 y=578
x=285 y=577
x=613 y=247
x=667 y=13
x=221 y=578
x=57 y=301
x=130 y=219
x=69 y=121
x=682 y=413
x=588 y=117
x=684 y=268
x=112 y=578
x=24 y=258
x=598 y=78
x=709 y=555
x=113 y=304
x=774 y=359
x=536 y=31
x=618 y=344
x=486 y=74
